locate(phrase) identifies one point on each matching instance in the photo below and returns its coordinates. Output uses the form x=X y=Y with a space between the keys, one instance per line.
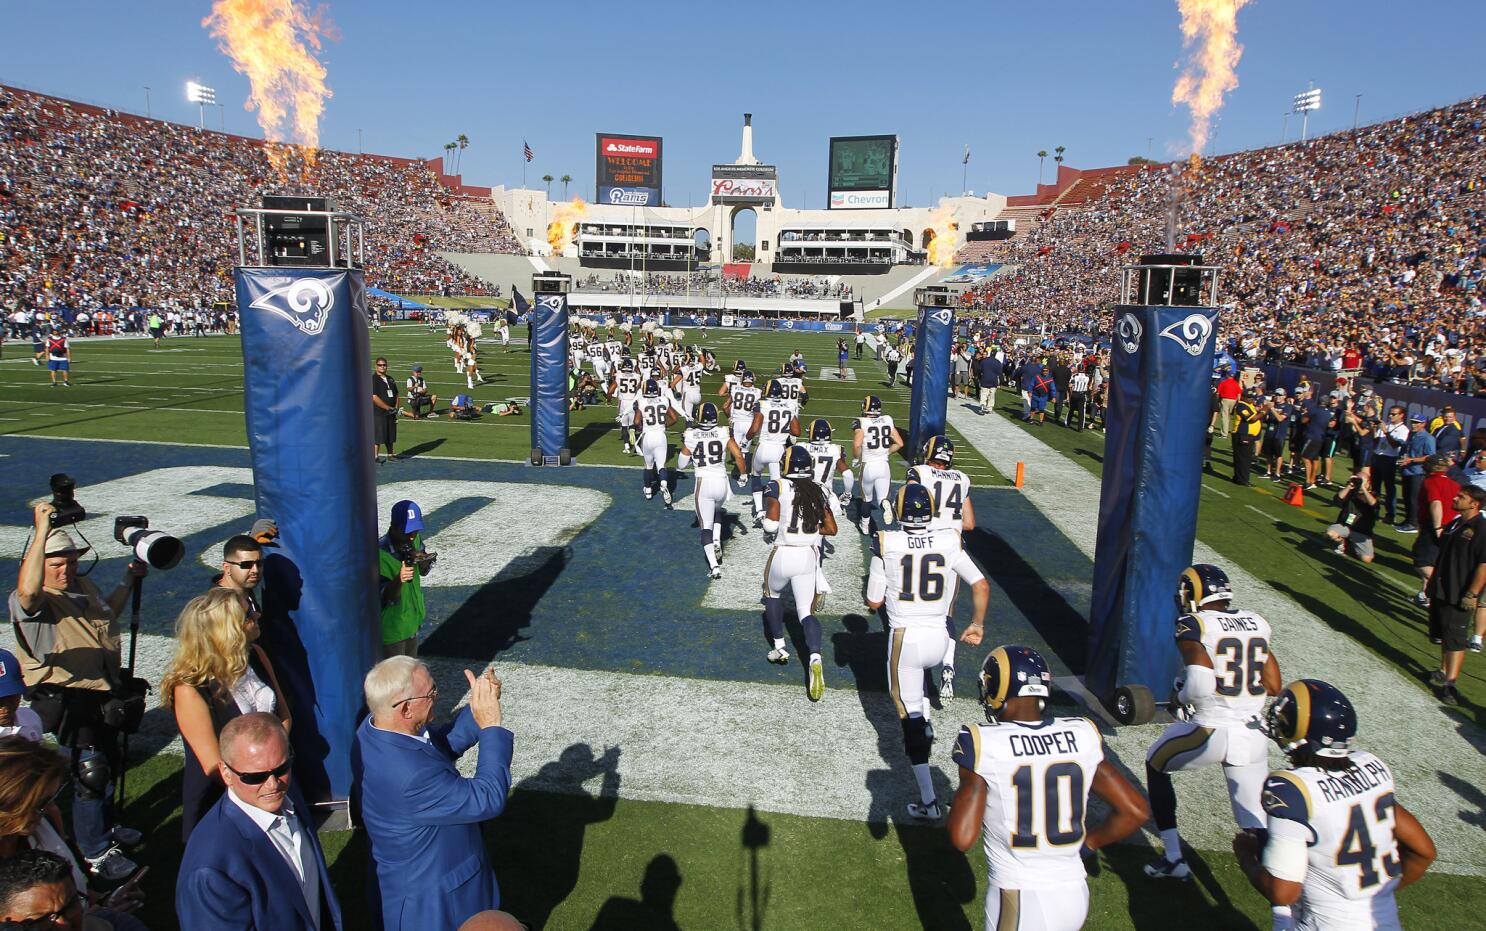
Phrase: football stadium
x=719 y=551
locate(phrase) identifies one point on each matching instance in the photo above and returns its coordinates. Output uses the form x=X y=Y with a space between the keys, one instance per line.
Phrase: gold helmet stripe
x=1003 y=679
x=1194 y=581
x=1302 y=696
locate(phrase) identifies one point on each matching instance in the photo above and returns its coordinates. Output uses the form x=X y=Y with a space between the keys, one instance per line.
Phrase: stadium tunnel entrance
x=742 y=230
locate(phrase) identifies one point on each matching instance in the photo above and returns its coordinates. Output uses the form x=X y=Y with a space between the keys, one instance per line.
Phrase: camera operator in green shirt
x=403 y=562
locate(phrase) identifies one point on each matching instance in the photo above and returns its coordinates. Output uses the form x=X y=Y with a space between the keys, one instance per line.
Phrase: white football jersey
x=877 y=436
x=794 y=386
x=916 y=574
x=691 y=376
x=1346 y=819
x=1238 y=644
x=744 y=402
x=949 y=489
x=708 y=449
x=628 y=384
x=653 y=413
x=1038 y=775
x=826 y=454
x=793 y=530
x=777 y=418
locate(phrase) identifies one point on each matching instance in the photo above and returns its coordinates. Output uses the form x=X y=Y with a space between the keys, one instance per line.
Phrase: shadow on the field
x=492 y=619
x=1062 y=628
x=653 y=909
x=939 y=876
x=1163 y=903
x=426 y=447
x=588 y=435
x=537 y=843
x=1468 y=793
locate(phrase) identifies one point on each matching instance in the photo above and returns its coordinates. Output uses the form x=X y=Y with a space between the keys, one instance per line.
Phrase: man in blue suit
x=421 y=816
x=254 y=862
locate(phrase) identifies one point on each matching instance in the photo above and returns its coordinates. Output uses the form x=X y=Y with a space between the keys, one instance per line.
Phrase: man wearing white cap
x=67 y=634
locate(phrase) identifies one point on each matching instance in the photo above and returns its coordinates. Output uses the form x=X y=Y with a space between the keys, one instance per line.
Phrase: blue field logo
x=304 y=302
x=1191 y=333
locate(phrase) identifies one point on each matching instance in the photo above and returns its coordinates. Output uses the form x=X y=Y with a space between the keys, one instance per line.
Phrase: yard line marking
x=1260 y=513
x=1207 y=487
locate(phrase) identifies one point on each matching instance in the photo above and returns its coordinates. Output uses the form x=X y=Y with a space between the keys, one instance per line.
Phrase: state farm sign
x=631 y=163
x=639 y=148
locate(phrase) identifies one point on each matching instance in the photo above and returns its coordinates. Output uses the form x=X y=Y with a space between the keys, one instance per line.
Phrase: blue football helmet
x=707 y=416
x=938 y=449
x=652 y=388
x=748 y=377
x=1012 y=671
x=740 y=366
x=872 y=404
x=820 y=431
x=775 y=391
x=1312 y=717
x=1201 y=585
x=798 y=463
x=914 y=507
x=626 y=364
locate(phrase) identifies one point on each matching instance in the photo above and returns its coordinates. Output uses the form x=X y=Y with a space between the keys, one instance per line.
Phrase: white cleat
x=649 y=494
x=665 y=494
x=717 y=553
x=947 y=684
x=779 y=655
x=716 y=572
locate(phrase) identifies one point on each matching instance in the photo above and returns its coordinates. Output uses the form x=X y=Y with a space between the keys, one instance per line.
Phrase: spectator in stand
x=1436 y=509
x=1416 y=453
x=1229 y=391
x=1455 y=591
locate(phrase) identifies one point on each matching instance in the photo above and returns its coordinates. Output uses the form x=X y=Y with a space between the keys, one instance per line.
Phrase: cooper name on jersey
x=1060 y=743
x=1368 y=774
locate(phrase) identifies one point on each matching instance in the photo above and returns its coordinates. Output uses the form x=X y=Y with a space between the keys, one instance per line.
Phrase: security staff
x=384 y=411
x=1249 y=424
x=67 y=638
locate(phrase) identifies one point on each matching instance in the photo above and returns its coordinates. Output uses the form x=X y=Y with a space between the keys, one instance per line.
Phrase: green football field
x=581 y=853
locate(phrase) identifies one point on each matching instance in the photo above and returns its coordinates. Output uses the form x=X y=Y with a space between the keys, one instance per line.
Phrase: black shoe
x=1449 y=697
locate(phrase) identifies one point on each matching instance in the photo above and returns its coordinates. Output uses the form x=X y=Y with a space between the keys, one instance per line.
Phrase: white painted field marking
x=1220 y=494
x=1260 y=513
x=1429 y=749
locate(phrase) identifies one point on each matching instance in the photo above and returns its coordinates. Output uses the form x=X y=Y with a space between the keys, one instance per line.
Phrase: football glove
x=1180 y=710
x=743 y=481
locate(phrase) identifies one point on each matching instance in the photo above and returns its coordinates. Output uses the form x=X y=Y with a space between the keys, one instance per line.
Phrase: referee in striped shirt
x=1078 y=400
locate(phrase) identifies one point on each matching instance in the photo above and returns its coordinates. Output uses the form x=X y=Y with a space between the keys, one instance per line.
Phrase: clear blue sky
x=1008 y=79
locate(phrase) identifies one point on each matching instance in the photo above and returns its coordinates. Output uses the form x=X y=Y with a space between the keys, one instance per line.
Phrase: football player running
x=740 y=400
x=652 y=415
x=950 y=491
x=687 y=385
x=874 y=440
x=1337 y=845
x=830 y=461
x=709 y=446
x=1220 y=696
x=796 y=517
x=1026 y=779
x=774 y=423
x=913 y=573
x=625 y=386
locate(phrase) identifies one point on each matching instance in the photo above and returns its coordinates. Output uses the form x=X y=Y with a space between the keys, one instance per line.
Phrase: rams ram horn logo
x=1191 y=333
x=1128 y=331
x=942 y=317
x=305 y=302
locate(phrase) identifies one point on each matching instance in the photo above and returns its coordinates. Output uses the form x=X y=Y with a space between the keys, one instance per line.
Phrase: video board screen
x=864 y=165
x=628 y=170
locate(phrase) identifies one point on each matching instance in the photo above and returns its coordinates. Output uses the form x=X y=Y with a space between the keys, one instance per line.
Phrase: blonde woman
x=218 y=673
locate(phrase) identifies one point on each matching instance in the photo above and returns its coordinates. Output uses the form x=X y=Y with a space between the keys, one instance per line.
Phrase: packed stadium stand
x=101 y=208
x=1357 y=246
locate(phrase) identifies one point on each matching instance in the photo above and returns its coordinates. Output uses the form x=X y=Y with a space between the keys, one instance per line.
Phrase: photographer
x=419 y=396
x=1358 y=515
x=67 y=634
x=403 y=562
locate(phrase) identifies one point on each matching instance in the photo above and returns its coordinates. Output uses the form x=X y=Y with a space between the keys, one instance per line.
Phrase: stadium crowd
x=101 y=209
x=819 y=288
x=1356 y=250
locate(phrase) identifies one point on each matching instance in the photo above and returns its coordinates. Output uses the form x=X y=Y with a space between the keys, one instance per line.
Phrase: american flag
x=529 y=153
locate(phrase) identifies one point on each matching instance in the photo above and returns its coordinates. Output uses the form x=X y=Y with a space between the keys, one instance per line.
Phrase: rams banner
x=1160 y=390
x=306 y=358
x=549 y=374
x=931 y=366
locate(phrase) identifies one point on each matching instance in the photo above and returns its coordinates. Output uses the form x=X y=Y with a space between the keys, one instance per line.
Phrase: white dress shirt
x=286 y=832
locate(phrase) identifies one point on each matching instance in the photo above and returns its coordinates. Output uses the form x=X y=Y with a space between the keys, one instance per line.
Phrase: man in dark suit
x=254 y=862
x=421 y=816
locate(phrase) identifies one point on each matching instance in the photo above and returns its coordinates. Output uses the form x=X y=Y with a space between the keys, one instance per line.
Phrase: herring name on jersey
x=1038 y=775
x=949 y=489
x=777 y=419
x=1345 y=818
x=877 y=436
x=793 y=531
x=1238 y=644
x=708 y=449
x=922 y=572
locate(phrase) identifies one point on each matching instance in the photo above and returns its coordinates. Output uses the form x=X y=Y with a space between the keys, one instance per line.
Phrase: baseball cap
x=59 y=542
x=417 y=368
x=11 y=682
x=1279 y=392
x=407 y=517
x=1418 y=418
x=1439 y=462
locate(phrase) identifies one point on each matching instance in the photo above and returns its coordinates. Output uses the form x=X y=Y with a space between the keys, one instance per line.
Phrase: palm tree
x=565 y=179
x=448 y=154
x=549 y=179
x=1059 y=157
x=1040 y=156
x=463 y=142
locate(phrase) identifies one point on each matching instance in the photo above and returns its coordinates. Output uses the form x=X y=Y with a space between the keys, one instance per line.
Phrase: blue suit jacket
x=233 y=877
x=423 y=820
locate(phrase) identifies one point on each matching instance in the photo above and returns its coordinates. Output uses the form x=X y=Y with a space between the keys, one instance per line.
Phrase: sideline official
x=67 y=638
x=384 y=411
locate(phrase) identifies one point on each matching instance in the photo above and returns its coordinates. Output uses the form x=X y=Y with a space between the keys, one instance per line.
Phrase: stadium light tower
x=1304 y=104
x=202 y=96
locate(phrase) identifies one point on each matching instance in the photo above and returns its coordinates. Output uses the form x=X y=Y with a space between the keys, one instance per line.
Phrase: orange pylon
x=1295 y=495
x=1021 y=472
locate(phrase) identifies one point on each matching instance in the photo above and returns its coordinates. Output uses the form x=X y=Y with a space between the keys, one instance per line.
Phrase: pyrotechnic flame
x=943 y=234
x=1211 y=68
x=564 y=227
x=273 y=43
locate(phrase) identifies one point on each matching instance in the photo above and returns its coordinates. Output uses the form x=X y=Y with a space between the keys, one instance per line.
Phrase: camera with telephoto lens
x=413 y=558
x=160 y=550
x=67 y=510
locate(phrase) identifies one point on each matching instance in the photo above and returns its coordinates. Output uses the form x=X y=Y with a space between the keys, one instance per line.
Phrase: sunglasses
x=431 y=696
x=258 y=779
x=245 y=563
